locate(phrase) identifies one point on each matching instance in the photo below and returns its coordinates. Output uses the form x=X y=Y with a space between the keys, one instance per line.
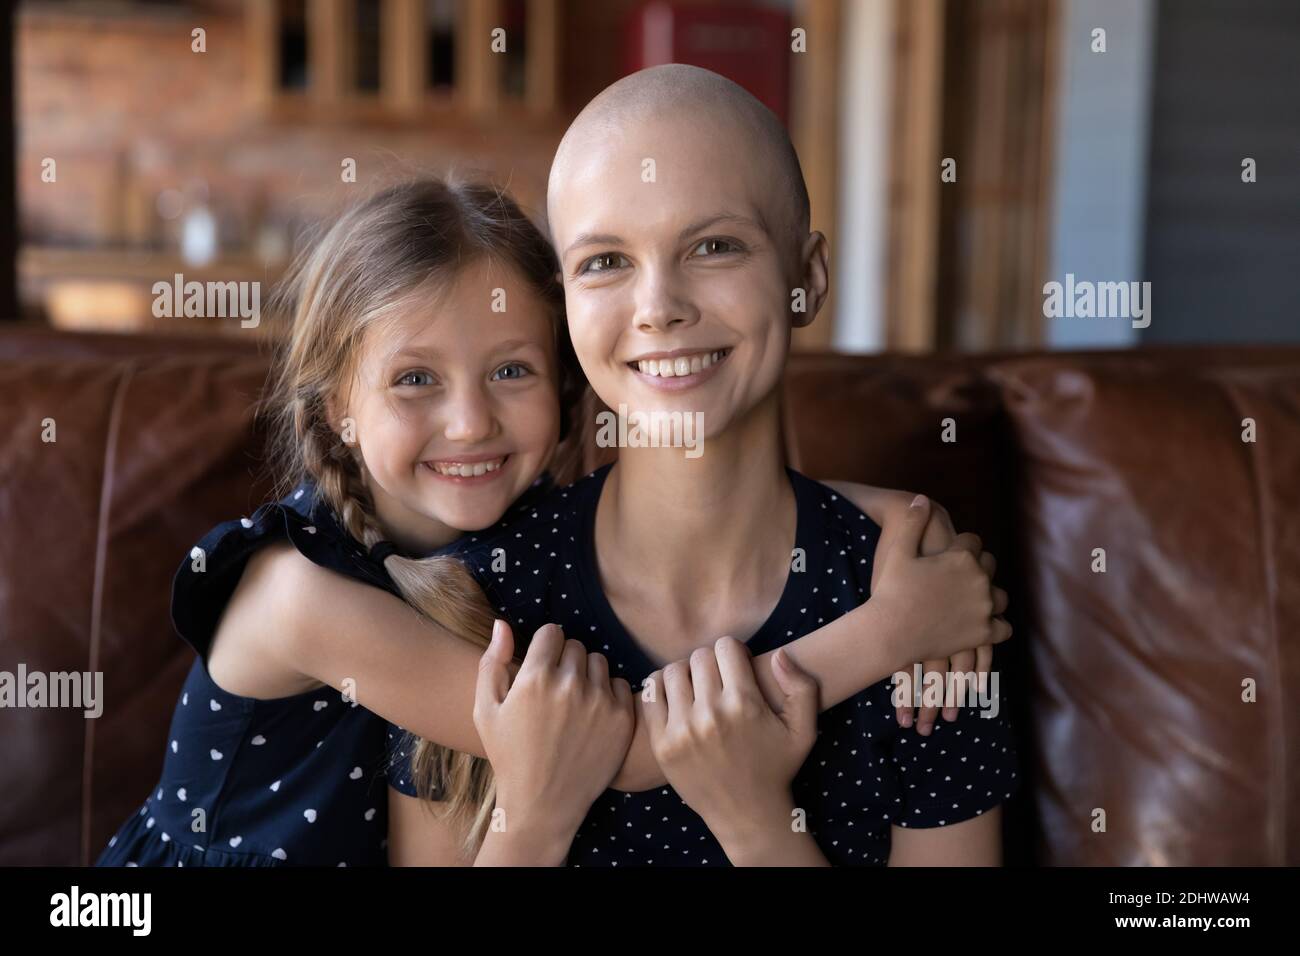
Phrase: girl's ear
x=334 y=415
x=815 y=258
x=338 y=398
x=331 y=414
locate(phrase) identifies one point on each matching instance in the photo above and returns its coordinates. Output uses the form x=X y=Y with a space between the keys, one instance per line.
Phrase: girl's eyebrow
x=512 y=344
x=608 y=239
x=431 y=352
x=413 y=352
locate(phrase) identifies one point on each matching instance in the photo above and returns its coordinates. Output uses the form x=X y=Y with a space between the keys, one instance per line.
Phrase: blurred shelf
x=42 y=263
x=112 y=289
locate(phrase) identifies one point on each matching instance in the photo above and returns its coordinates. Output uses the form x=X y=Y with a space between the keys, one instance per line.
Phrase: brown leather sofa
x=1128 y=687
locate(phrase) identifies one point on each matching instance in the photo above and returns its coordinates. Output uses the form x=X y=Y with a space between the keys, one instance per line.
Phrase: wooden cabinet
x=402 y=58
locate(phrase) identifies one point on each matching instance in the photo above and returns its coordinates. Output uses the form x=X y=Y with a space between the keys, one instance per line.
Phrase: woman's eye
x=406 y=379
x=604 y=262
x=709 y=247
x=512 y=371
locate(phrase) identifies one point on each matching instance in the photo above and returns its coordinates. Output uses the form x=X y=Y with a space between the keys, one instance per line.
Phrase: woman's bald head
x=712 y=106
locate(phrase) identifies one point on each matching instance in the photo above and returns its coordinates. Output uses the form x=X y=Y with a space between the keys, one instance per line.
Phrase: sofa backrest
x=1125 y=686
x=1149 y=698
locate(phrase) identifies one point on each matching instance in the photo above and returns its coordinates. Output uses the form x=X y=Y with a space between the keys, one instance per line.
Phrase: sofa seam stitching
x=97 y=593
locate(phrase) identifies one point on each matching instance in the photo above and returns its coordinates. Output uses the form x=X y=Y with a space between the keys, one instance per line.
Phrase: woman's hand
x=949 y=606
x=556 y=736
x=728 y=754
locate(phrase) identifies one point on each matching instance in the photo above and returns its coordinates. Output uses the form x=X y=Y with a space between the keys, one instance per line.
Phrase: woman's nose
x=661 y=304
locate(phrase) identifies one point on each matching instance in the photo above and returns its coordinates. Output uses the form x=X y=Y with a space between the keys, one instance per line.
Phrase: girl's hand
x=950 y=611
x=962 y=665
x=728 y=754
x=556 y=736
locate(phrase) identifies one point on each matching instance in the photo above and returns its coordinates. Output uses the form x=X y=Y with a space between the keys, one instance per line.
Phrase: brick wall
x=127 y=111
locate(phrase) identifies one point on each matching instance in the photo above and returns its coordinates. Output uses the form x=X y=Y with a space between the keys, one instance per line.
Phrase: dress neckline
x=638 y=665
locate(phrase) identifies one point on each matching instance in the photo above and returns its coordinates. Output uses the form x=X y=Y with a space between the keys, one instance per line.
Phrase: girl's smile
x=468 y=469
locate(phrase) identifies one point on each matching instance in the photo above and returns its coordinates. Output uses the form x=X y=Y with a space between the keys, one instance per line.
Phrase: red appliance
x=747 y=44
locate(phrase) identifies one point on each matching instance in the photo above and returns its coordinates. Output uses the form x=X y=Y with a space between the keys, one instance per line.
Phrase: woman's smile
x=679 y=369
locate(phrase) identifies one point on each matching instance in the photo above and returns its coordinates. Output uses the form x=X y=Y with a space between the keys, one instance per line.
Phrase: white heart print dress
x=292 y=781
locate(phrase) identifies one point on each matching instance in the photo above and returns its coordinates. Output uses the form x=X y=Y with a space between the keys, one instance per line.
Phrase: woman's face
x=455 y=406
x=678 y=291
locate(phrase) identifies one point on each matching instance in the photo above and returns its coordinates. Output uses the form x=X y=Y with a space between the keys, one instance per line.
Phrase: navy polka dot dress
x=292 y=781
x=865 y=772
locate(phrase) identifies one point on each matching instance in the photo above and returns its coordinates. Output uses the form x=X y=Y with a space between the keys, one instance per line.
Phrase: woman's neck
x=700 y=527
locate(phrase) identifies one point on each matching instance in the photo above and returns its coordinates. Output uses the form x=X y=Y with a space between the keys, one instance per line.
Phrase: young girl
x=679 y=297
x=342 y=584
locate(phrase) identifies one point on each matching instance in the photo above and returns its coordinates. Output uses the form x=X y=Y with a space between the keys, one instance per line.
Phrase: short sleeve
x=209 y=574
x=398 y=766
x=961 y=770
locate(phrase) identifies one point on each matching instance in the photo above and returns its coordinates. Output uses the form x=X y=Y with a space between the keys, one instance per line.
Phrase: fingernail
x=498 y=628
x=918 y=501
x=906 y=720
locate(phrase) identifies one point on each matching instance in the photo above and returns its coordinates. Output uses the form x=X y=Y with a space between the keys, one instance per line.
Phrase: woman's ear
x=815 y=259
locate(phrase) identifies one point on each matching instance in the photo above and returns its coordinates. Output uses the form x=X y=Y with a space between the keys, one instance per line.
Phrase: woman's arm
x=420 y=836
x=547 y=768
x=973 y=842
x=731 y=757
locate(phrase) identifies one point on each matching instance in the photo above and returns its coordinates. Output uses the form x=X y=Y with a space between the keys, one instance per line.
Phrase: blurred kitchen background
x=135 y=155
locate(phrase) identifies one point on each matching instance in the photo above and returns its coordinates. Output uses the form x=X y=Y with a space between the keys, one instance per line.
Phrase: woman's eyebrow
x=719 y=218
x=594 y=239
x=609 y=239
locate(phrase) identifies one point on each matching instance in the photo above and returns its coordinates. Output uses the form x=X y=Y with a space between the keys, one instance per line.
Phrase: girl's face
x=456 y=407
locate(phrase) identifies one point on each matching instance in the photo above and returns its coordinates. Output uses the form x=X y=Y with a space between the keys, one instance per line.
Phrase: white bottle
x=199 y=237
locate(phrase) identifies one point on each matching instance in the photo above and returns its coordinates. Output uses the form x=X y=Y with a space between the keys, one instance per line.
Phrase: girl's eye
x=714 y=247
x=406 y=379
x=604 y=262
x=514 y=370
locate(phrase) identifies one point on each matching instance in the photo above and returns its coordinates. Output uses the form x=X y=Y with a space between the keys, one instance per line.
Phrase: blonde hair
x=375 y=256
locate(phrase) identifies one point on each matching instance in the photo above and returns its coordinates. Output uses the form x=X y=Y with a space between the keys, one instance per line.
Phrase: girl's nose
x=469 y=417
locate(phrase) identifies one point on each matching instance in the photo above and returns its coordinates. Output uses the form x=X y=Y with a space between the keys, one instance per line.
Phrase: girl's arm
x=369 y=643
x=865 y=645
x=860 y=648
